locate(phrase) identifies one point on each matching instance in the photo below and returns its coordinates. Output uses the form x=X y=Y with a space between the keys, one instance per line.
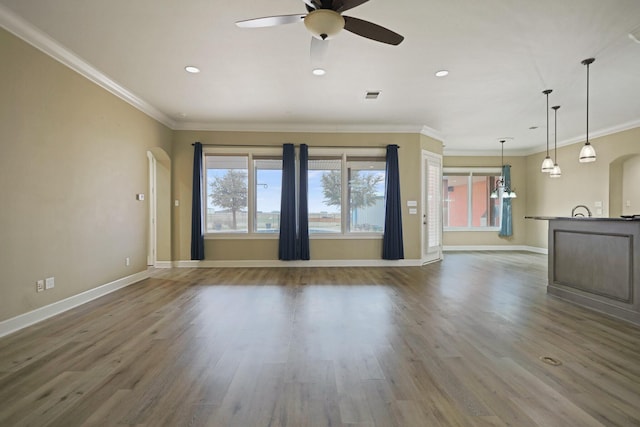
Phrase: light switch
x=413 y=211
x=176 y=202
x=140 y=196
x=412 y=203
x=598 y=204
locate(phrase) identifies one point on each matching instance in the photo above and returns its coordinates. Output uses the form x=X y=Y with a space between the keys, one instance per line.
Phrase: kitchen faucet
x=574 y=214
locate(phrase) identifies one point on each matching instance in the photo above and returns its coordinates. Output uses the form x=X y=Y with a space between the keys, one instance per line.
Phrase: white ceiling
x=501 y=55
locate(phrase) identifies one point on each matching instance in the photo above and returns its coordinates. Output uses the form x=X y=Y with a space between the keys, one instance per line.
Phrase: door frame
x=427 y=254
x=152 y=243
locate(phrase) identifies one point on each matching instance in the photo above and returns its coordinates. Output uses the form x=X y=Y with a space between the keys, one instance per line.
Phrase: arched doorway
x=159 y=234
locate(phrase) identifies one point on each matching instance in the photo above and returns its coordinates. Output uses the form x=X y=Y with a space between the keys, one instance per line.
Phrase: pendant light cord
x=547 y=92
x=547 y=124
x=555 y=133
x=588 y=102
x=588 y=62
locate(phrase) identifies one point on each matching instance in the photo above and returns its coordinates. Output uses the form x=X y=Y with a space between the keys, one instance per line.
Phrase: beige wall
x=321 y=249
x=631 y=186
x=581 y=183
x=72 y=158
x=518 y=183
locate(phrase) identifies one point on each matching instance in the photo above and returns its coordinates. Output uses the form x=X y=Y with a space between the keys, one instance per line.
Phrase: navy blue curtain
x=197 y=235
x=303 y=206
x=392 y=244
x=287 y=243
x=506 y=227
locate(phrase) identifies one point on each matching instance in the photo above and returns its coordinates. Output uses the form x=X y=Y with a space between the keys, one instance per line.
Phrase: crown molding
x=484 y=153
x=598 y=134
x=295 y=127
x=536 y=150
x=17 y=26
x=433 y=133
x=592 y=135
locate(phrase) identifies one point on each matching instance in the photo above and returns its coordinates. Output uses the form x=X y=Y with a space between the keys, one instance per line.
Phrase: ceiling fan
x=324 y=21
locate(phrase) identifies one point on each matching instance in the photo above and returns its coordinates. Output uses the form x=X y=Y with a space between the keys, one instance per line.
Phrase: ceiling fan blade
x=318 y=51
x=371 y=31
x=271 y=21
x=311 y=4
x=343 y=5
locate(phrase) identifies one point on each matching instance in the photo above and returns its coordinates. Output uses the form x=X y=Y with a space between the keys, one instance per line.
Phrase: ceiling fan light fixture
x=324 y=24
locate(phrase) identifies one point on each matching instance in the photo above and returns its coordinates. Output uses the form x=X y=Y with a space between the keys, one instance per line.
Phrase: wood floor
x=457 y=343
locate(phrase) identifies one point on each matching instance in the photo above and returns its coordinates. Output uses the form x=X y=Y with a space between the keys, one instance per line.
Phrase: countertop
x=584 y=218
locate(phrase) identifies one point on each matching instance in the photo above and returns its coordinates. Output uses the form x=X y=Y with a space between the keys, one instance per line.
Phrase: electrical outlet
x=49 y=283
x=40 y=286
x=127 y=261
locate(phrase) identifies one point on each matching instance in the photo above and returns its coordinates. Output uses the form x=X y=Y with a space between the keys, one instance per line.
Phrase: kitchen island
x=595 y=262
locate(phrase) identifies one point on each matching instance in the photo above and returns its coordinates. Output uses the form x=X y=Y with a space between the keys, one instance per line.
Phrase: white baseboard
x=496 y=248
x=310 y=263
x=163 y=264
x=27 y=319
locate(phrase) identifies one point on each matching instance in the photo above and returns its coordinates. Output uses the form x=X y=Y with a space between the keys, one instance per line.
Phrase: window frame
x=252 y=153
x=469 y=172
x=344 y=155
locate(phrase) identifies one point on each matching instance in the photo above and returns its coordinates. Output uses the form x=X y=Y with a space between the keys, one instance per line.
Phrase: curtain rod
x=278 y=146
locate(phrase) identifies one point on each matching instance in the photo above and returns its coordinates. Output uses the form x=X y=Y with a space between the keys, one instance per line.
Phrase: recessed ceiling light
x=319 y=71
x=442 y=73
x=191 y=69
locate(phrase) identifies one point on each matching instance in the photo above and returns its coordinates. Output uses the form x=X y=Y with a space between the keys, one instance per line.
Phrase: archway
x=159 y=242
x=624 y=193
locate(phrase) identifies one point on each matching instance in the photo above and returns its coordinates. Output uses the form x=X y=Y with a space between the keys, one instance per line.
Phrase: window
x=366 y=179
x=466 y=199
x=325 y=195
x=268 y=184
x=244 y=185
x=346 y=193
x=227 y=194
x=243 y=191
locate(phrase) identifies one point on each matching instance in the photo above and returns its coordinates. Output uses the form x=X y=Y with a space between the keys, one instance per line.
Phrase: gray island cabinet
x=595 y=262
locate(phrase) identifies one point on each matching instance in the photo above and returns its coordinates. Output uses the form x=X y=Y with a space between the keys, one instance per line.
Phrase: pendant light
x=547 y=163
x=507 y=192
x=556 y=172
x=588 y=153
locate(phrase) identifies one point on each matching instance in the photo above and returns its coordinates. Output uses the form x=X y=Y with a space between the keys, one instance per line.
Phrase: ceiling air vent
x=372 y=94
